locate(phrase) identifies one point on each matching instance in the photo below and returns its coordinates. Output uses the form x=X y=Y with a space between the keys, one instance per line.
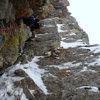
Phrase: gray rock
x=70 y=73
x=44 y=43
x=6 y=10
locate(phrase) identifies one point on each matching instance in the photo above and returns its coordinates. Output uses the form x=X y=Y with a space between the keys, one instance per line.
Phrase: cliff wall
x=59 y=64
x=50 y=13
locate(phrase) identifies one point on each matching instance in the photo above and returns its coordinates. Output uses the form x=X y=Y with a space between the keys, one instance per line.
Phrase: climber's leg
x=33 y=34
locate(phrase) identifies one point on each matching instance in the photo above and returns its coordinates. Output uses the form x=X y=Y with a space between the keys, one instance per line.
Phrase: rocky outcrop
x=12 y=45
x=13 y=41
x=46 y=41
x=52 y=13
x=59 y=64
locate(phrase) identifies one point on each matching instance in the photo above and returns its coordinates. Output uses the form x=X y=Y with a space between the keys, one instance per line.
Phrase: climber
x=32 y=22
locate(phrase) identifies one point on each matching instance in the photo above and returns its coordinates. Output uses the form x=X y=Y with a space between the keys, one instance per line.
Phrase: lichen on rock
x=13 y=42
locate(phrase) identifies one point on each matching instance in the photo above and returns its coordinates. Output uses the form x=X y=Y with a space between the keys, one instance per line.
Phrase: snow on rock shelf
x=71 y=45
x=90 y=88
x=34 y=73
x=7 y=89
x=7 y=80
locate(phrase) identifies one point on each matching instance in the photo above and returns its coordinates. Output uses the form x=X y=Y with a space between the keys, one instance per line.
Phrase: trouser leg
x=33 y=34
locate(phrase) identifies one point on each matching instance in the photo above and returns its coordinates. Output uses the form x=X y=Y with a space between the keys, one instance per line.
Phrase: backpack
x=31 y=19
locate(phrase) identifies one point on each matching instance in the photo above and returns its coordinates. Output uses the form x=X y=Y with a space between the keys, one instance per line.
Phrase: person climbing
x=32 y=22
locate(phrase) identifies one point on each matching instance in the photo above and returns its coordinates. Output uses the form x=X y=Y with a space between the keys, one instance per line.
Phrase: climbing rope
x=13 y=27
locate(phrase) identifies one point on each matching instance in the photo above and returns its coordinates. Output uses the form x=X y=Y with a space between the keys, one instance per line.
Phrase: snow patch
x=48 y=26
x=95 y=49
x=7 y=89
x=91 y=88
x=33 y=71
x=71 y=45
x=72 y=33
x=63 y=38
x=24 y=97
x=96 y=62
x=31 y=91
x=65 y=65
x=37 y=35
x=85 y=69
x=59 y=28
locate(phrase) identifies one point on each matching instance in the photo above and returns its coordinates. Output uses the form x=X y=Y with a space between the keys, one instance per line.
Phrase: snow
x=68 y=45
x=72 y=33
x=7 y=90
x=50 y=75
x=8 y=78
x=95 y=49
x=65 y=65
x=33 y=71
x=96 y=62
x=48 y=53
x=63 y=38
x=59 y=28
x=23 y=97
x=65 y=44
x=37 y=35
x=85 y=69
x=72 y=44
x=91 y=88
x=48 y=26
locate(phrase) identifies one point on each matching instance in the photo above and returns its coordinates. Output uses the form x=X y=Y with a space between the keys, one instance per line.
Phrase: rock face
x=46 y=41
x=12 y=41
x=59 y=64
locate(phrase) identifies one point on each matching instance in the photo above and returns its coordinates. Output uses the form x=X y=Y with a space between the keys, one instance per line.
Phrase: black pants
x=34 y=26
